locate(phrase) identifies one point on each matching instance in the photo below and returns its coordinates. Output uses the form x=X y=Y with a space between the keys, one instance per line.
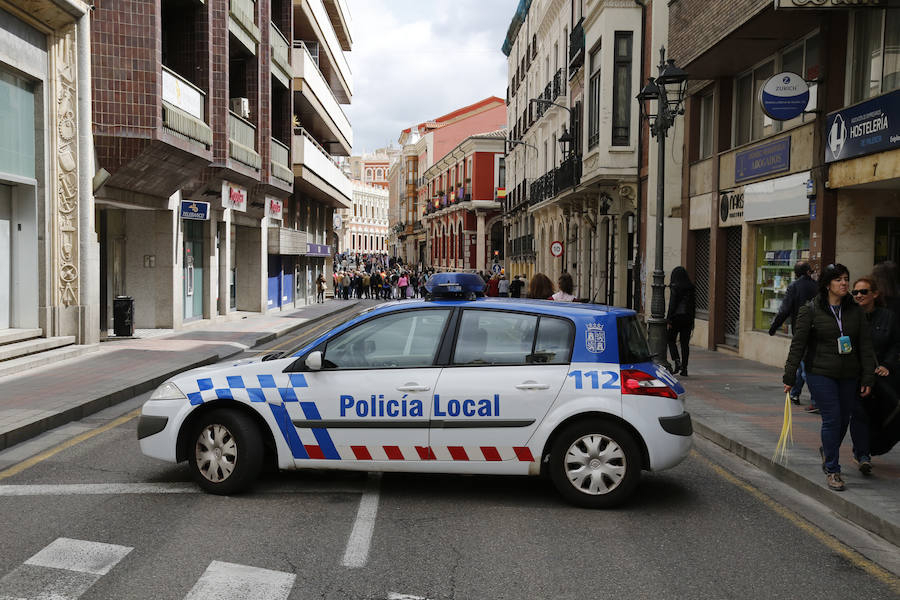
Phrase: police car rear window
x=491 y=337
x=633 y=346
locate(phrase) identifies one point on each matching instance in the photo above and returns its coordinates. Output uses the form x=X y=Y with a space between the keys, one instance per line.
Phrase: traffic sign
x=556 y=248
x=497 y=268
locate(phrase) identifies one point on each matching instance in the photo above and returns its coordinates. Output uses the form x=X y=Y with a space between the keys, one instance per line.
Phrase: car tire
x=595 y=463
x=225 y=452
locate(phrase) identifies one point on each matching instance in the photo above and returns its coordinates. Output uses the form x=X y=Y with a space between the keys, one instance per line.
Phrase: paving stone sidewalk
x=739 y=404
x=47 y=397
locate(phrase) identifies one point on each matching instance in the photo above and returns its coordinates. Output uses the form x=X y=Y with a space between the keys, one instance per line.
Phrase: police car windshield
x=633 y=346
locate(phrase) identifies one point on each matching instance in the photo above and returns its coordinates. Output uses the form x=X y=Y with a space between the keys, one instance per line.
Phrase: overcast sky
x=415 y=60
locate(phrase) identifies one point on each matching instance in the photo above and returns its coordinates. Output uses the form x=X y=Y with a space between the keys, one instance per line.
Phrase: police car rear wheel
x=595 y=464
x=227 y=452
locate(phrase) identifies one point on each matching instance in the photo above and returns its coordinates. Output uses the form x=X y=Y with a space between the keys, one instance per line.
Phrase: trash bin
x=123 y=316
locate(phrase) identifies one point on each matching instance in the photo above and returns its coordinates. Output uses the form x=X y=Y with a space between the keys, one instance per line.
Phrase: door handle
x=532 y=385
x=413 y=387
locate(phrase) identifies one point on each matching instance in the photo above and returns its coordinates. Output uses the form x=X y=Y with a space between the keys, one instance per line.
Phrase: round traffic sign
x=497 y=268
x=556 y=248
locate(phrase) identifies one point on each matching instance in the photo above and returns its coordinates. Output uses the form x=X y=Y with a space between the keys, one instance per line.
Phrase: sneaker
x=822 y=454
x=795 y=400
x=864 y=464
x=813 y=410
x=835 y=482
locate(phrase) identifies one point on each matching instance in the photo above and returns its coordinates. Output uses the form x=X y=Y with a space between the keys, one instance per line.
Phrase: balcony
x=242 y=23
x=576 y=47
x=281 y=161
x=184 y=108
x=316 y=104
x=522 y=246
x=281 y=56
x=324 y=31
x=242 y=141
x=316 y=174
x=287 y=242
x=340 y=19
x=550 y=184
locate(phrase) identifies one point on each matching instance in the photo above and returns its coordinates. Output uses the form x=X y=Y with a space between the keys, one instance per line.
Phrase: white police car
x=455 y=384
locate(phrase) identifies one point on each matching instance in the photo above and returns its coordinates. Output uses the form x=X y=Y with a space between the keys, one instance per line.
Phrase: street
x=84 y=514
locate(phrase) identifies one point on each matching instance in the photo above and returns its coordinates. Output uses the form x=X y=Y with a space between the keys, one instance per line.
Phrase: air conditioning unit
x=241 y=107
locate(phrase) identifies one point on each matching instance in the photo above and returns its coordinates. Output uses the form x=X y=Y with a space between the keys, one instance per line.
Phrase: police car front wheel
x=595 y=464
x=227 y=452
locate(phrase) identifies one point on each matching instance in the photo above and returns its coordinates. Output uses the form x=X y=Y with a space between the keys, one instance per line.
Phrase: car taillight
x=643 y=384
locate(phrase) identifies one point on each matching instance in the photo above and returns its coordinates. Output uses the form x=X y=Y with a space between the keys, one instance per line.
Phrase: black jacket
x=800 y=292
x=815 y=342
x=885 y=337
x=681 y=303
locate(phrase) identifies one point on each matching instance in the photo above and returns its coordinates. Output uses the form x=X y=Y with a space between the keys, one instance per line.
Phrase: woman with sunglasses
x=833 y=338
x=884 y=407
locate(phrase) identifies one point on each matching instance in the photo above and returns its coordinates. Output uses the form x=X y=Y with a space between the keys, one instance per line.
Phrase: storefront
x=194 y=216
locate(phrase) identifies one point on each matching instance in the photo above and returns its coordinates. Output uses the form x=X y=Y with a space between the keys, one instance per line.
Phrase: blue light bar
x=454 y=285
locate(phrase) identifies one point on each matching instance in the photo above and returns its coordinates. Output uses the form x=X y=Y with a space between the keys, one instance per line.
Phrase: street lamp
x=668 y=91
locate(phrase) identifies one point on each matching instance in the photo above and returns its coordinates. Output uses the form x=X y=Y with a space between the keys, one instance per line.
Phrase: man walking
x=801 y=291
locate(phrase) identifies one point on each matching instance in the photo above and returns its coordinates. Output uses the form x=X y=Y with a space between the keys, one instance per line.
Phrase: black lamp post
x=668 y=91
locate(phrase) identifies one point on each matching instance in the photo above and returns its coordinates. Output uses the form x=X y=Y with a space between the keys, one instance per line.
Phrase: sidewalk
x=47 y=397
x=739 y=405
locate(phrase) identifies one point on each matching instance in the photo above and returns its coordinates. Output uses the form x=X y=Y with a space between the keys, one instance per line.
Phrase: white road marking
x=357 y=551
x=227 y=581
x=62 y=570
x=88 y=489
x=396 y=596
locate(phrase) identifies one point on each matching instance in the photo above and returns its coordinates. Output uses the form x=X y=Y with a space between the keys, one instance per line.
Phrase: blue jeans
x=799 y=381
x=837 y=399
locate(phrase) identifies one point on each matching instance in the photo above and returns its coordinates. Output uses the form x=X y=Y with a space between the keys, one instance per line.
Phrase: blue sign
x=867 y=127
x=318 y=249
x=764 y=159
x=784 y=96
x=197 y=211
x=496 y=268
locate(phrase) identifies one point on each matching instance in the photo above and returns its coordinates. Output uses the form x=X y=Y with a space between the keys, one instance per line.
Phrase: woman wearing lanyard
x=834 y=337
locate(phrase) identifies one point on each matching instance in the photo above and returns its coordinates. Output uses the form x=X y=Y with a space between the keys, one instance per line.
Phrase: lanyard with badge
x=844 y=345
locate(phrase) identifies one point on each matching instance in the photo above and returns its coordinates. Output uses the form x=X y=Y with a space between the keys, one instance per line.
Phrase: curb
x=833 y=500
x=35 y=428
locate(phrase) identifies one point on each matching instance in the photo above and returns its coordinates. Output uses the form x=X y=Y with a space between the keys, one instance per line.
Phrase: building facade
x=373 y=168
x=573 y=156
x=48 y=243
x=759 y=193
x=222 y=144
x=364 y=227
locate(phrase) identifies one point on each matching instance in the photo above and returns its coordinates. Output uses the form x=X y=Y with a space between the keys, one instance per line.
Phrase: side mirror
x=314 y=361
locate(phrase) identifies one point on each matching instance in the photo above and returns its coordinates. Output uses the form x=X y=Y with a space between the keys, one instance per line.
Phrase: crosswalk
x=67 y=568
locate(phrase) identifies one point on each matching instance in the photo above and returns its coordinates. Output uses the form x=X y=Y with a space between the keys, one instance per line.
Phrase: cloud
x=414 y=60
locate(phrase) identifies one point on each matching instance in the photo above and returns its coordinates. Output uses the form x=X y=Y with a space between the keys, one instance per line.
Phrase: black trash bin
x=123 y=316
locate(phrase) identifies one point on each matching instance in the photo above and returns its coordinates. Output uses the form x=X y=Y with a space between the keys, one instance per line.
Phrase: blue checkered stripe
x=277 y=389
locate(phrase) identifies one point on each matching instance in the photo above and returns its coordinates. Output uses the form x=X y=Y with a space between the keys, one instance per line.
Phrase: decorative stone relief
x=626 y=193
x=66 y=209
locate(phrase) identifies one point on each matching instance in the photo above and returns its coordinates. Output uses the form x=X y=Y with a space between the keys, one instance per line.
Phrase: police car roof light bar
x=454 y=285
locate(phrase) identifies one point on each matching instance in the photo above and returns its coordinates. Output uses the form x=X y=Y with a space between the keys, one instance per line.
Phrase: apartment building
x=216 y=125
x=761 y=193
x=573 y=159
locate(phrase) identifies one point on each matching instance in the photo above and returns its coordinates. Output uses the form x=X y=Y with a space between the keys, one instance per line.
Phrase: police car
x=456 y=383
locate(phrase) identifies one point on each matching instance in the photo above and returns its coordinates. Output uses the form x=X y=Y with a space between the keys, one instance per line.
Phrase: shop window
x=778 y=249
x=701 y=272
x=17 y=121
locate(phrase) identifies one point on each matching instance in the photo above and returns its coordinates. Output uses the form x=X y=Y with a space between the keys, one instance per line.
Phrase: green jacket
x=815 y=341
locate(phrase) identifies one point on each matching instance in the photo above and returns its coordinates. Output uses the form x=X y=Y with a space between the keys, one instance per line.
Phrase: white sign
x=234 y=197
x=181 y=94
x=774 y=198
x=784 y=96
x=336 y=222
x=274 y=208
x=556 y=248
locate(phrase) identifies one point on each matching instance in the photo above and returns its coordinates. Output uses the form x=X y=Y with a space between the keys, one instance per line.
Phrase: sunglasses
x=862 y=292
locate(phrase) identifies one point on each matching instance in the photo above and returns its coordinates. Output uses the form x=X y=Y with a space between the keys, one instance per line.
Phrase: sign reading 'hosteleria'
x=865 y=128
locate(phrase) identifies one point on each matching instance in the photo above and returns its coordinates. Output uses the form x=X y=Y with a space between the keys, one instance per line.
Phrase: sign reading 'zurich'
x=784 y=96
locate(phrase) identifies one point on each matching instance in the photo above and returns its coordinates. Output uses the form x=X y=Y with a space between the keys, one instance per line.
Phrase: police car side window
x=491 y=337
x=554 y=342
x=403 y=339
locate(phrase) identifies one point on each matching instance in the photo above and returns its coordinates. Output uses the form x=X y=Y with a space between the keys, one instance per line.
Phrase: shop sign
x=774 y=198
x=845 y=4
x=784 y=96
x=867 y=127
x=731 y=207
x=274 y=208
x=318 y=249
x=234 y=197
x=764 y=159
x=556 y=248
x=195 y=211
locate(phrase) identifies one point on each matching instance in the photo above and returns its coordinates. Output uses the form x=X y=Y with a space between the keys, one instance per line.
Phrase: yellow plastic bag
x=781 y=450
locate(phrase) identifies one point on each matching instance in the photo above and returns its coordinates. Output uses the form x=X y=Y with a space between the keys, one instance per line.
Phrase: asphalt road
x=89 y=516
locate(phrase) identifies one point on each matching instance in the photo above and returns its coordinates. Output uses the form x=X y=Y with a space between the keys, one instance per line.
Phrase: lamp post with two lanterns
x=668 y=90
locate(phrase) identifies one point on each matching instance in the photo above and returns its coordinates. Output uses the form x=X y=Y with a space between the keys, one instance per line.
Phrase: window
x=778 y=248
x=633 y=347
x=368 y=174
x=594 y=91
x=622 y=89
x=554 y=342
x=707 y=115
x=489 y=337
x=875 y=67
x=701 y=272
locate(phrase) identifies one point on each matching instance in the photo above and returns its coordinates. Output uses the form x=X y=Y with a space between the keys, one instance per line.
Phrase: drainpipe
x=636 y=266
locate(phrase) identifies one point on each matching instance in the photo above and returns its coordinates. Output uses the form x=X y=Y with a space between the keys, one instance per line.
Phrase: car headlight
x=168 y=391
